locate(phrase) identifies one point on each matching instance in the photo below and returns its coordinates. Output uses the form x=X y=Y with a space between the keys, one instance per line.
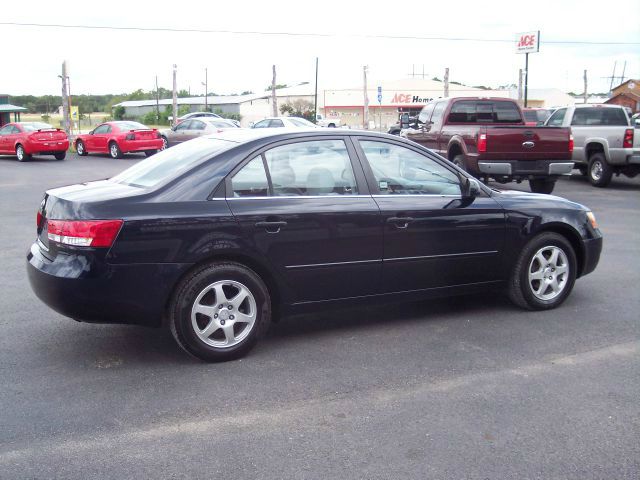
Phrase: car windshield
x=171 y=162
x=33 y=126
x=131 y=126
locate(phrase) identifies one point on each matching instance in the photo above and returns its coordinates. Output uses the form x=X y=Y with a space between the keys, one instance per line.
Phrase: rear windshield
x=33 y=126
x=599 y=116
x=131 y=126
x=171 y=162
x=473 y=111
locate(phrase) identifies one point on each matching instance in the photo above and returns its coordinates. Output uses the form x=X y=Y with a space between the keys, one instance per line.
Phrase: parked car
x=487 y=137
x=194 y=128
x=25 y=139
x=192 y=115
x=535 y=116
x=331 y=121
x=404 y=121
x=280 y=122
x=119 y=137
x=217 y=235
x=603 y=137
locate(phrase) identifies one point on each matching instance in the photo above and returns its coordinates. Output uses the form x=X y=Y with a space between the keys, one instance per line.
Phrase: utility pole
x=613 y=75
x=315 y=98
x=157 y=102
x=65 y=99
x=274 y=98
x=206 y=89
x=175 y=95
x=526 y=78
x=365 y=115
x=586 y=95
x=520 y=87
x=446 y=82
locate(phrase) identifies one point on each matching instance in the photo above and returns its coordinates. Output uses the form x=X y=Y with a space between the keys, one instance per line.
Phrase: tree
x=299 y=108
x=118 y=112
x=278 y=85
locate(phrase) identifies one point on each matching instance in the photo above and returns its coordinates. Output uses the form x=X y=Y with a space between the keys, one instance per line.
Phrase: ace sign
x=528 y=42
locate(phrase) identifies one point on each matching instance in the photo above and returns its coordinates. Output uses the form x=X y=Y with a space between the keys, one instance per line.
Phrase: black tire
x=186 y=294
x=542 y=185
x=600 y=171
x=148 y=153
x=60 y=155
x=583 y=170
x=165 y=143
x=81 y=149
x=520 y=288
x=114 y=150
x=21 y=154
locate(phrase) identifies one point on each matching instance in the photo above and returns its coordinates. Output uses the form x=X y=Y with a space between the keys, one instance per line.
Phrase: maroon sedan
x=118 y=138
x=24 y=139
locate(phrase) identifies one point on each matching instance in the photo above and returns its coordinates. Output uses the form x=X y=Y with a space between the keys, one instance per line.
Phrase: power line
x=300 y=34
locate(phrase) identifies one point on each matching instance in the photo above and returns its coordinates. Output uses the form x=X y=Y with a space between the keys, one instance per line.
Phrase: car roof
x=243 y=135
x=597 y=105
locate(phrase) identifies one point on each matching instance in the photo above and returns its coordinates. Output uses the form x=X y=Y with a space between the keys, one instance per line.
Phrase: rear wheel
x=21 y=154
x=114 y=150
x=165 y=143
x=600 y=171
x=81 y=149
x=219 y=312
x=542 y=185
x=60 y=155
x=148 y=153
x=544 y=274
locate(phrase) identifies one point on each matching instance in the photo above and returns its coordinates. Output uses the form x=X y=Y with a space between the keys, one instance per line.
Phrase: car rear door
x=433 y=238
x=305 y=206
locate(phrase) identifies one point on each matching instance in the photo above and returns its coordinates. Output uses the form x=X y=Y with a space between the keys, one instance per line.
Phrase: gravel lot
x=463 y=388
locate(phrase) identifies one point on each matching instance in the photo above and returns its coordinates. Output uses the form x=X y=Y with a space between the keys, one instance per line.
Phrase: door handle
x=400 y=222
x=271 y=227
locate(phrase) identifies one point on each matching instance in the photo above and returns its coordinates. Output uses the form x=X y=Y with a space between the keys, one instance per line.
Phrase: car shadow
x=39 y=159
x=620 y=183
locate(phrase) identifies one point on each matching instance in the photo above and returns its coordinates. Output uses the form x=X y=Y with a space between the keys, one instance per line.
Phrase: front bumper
x=525 y=168
x=591 y=249
x=86 y=288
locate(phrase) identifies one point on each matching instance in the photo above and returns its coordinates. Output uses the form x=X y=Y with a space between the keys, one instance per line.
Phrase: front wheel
x=600 y=171
x=21 y=154
x=542 y=185
x=60 y=155
x=544 y=273
x=81 y=149
x=219 y=312
x=148 y=153
x=114 y=150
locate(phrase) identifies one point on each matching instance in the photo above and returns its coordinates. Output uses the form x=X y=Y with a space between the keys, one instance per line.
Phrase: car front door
x=98 y=141
x=4 y=139
x=196 y=128
x=433 y=237
x=305 y=206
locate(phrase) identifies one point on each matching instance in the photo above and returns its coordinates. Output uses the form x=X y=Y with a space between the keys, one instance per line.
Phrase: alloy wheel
x=596 y=170
x=548 y=272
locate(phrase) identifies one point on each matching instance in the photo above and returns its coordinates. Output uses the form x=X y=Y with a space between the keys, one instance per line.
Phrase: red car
x=118 y=138
x=24 y=139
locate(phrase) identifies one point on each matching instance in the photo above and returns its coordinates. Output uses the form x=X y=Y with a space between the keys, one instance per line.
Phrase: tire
x=600 y=171
x=114 y=150
x=165 y=143
x=21 y=154
x=148 y=153
x=60 y=155
x=81 y=149
x=203 y=287
x=530 y=293
x=542 y=185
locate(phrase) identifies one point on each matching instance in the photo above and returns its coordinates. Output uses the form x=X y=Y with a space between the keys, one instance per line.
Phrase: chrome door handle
x=271 y=227
x=400 y=222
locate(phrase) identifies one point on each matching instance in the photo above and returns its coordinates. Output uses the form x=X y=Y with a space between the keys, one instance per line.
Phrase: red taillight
x=130 y=136
x=482 y=143
x=570 y=143
x=628 y=138
x=38 y=219
x=84 y=233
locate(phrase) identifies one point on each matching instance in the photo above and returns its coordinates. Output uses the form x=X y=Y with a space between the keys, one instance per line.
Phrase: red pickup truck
x=488 y=138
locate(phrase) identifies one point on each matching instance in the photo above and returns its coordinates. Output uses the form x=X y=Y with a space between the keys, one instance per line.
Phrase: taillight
x=130 y=136
x=570 y=143
x=38 y=219
x=84 y=233
x=628 y=138
x=482 y=143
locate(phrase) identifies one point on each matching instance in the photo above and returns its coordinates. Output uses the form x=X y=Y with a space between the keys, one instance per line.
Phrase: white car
x=329 y=122
x=290 y=122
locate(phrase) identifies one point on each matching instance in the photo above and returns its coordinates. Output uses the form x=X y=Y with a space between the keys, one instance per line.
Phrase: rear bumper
x=592 y=250
x=46 y=148
x=140 y=145
x=87 y=289
x=525 y=168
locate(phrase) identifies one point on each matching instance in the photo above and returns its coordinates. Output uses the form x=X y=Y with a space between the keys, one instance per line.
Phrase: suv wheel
x=544 y=274
x=600 y=171
x=220 y=311
x=542 y=185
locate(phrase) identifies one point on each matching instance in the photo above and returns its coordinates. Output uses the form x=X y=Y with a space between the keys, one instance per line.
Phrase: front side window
x=6 y=130
x=437 y=112
x=197 y=125
x=399 y=170
x=251 y=180
x=101 y=129
x=556 y=119
x=425 y=113
x=276 y=123
x=184 y=125
x=316 y=168
x=262 y=124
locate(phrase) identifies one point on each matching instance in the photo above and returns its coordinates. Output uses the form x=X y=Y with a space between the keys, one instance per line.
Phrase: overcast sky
x=109 y=61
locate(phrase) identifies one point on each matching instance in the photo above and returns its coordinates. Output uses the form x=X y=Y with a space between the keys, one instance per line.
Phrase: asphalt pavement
x=468 y=388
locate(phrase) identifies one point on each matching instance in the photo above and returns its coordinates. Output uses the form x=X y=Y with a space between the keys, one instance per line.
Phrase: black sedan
x=217 y=236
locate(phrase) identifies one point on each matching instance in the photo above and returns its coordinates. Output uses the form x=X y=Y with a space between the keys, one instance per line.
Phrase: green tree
x=118 y=112
x=299 y=108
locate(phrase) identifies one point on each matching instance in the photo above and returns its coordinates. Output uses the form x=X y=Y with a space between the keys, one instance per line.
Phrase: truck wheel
x=542 y=185
x=599 y=170
x=544 y=273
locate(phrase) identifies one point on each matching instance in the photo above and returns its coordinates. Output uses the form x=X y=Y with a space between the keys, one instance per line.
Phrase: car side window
x=251 y=180
x=184 y=125
x=275 y=123
x=556 y=119
x=314 y=168
x=197 y=125
x=6 y=130
x=437 y=112
x=399 y=170
x=262 y=124
x=463 y=112
x=425 y=113
x=101 y=129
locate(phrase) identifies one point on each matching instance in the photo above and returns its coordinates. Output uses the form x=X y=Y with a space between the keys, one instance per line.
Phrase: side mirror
x=470 y=188
x=91 y=132
x=637 y=122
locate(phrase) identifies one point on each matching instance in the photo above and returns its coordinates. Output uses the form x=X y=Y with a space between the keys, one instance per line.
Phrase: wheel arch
x=572 y=236
x=455 y=147
x=596 y=145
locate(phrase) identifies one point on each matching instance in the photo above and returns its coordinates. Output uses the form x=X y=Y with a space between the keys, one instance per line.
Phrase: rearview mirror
x=471 y=188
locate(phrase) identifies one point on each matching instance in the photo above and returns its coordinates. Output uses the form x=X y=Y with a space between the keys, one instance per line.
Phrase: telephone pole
x=446 y=82
x=315 y=97
x=206 y=89
x=175 y=95
x=520 y=87
x=157 y=102
x=586 y=95
x=66 y=124
x=365 y=114
x=274 y=98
